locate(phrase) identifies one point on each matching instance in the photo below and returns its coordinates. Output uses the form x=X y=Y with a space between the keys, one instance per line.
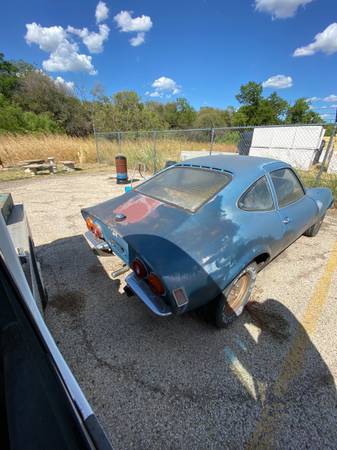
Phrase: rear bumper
x=100 y=247
x=144 y=293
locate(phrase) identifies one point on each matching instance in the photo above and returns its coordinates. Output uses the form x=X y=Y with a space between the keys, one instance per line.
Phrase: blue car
x=198 y=232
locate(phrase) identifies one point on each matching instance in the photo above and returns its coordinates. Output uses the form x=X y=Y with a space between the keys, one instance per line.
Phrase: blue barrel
x=121 y=169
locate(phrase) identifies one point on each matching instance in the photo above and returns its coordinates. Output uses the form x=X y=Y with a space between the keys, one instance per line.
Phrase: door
x=262 y=221
x=297 y=211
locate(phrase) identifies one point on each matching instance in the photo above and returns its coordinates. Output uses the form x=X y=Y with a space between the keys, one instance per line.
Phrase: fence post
x=211 y=141
x=328 y=153
x=96 y=145
x=334 y=131
x=119 y=143
x=154 y=152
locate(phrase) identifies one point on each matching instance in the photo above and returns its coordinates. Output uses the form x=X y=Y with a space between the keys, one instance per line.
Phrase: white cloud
x=327 y=116
x=64 y=54
x=280 y=9
x=313 y=99
x=139 y=25
x=154 y=94
x=325 y=42
x=67 y=59
x=92 y=40
x=47 y=38
x=67 y=85
x=164 y=86
x=102 y=12
x=127 y=24
x=278 y=82
x=330 y=98
x=138 y=40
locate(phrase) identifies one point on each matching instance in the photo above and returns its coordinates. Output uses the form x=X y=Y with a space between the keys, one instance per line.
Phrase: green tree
x=124 y=112
x=208 y=117
x=14 y=119
x=259 y=110
x=300 y=112
x=250 y=94
x=179 y=114
x=38 y=93
x=8 y=78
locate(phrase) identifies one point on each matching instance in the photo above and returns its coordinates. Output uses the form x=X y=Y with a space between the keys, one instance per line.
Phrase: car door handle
x=286 y=220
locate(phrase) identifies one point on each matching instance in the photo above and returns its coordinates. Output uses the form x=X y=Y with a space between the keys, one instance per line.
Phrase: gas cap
x=119 y=217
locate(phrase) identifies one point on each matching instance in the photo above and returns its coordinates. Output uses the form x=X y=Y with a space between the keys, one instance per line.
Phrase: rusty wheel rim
x=238 y=291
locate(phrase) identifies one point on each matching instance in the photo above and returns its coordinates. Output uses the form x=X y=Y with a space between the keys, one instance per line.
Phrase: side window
x=258 y=197
x=287 y=186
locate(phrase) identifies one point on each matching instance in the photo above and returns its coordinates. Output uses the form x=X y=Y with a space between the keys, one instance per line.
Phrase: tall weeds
x=17 y=148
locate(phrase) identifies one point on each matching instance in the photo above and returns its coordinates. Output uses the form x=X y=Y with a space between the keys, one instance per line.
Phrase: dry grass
x=16 y=148
x=143 y=150
x=328 y=180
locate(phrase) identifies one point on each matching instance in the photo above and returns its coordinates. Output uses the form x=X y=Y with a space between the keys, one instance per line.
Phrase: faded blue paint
x=204 y=251
x=241 y=344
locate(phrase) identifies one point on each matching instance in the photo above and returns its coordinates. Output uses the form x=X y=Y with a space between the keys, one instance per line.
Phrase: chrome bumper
x=100 y=247
x=152 y=301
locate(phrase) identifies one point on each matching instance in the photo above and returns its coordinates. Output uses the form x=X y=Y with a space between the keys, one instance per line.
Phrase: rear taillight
x=94 y=228
x=97 y=231
x=139 y=268
x=152 y=280
x=89 y=223
x=156 y=284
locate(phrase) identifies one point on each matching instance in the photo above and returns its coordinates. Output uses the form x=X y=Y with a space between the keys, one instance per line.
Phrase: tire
x=314 y=229
x=231 y=302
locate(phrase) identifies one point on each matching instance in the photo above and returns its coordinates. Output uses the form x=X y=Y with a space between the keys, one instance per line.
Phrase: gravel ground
x=268 y=381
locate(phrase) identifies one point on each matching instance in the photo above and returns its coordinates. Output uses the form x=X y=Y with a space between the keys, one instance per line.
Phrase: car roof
x=236 y=164
x=245 y=169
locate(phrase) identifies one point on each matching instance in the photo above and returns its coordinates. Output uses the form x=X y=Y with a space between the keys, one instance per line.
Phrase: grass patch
x=13 y=174
x=327 y=180
x=16 y=148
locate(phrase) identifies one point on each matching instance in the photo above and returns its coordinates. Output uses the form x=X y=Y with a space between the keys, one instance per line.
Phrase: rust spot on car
x=137 y=208
x=269 y=321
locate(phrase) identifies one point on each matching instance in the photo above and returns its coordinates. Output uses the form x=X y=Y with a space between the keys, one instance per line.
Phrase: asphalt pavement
x=268 y=381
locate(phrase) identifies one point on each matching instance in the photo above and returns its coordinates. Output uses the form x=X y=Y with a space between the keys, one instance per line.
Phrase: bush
x=14 y=119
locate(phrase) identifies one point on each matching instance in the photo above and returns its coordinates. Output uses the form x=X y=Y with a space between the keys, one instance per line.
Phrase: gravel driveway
x=178 y=383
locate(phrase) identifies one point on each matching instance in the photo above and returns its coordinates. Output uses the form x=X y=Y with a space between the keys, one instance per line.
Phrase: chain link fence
x=311 y=149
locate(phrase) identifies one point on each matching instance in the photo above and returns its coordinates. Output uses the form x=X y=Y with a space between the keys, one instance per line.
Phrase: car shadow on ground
x=179 y=382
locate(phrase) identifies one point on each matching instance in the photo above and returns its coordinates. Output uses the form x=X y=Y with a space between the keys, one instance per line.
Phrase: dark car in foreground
x=41 y=405
x=198 y=232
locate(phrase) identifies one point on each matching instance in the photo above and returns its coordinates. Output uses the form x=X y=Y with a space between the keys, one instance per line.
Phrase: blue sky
x=202 y=50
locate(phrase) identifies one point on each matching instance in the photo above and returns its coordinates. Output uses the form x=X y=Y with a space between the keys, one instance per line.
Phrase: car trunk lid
x=134 y=214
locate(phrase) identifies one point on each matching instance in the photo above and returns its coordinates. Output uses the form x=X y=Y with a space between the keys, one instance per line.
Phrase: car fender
x=251 y=254
x=322 y=197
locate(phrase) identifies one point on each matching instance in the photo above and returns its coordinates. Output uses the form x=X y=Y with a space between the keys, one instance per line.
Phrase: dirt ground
x=268 y=381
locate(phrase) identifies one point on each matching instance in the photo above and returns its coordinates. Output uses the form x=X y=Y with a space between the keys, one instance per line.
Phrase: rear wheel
x=314 y=229
x=235 y=297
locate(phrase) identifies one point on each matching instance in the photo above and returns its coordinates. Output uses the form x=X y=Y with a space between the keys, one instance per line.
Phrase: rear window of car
x=186 y=187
